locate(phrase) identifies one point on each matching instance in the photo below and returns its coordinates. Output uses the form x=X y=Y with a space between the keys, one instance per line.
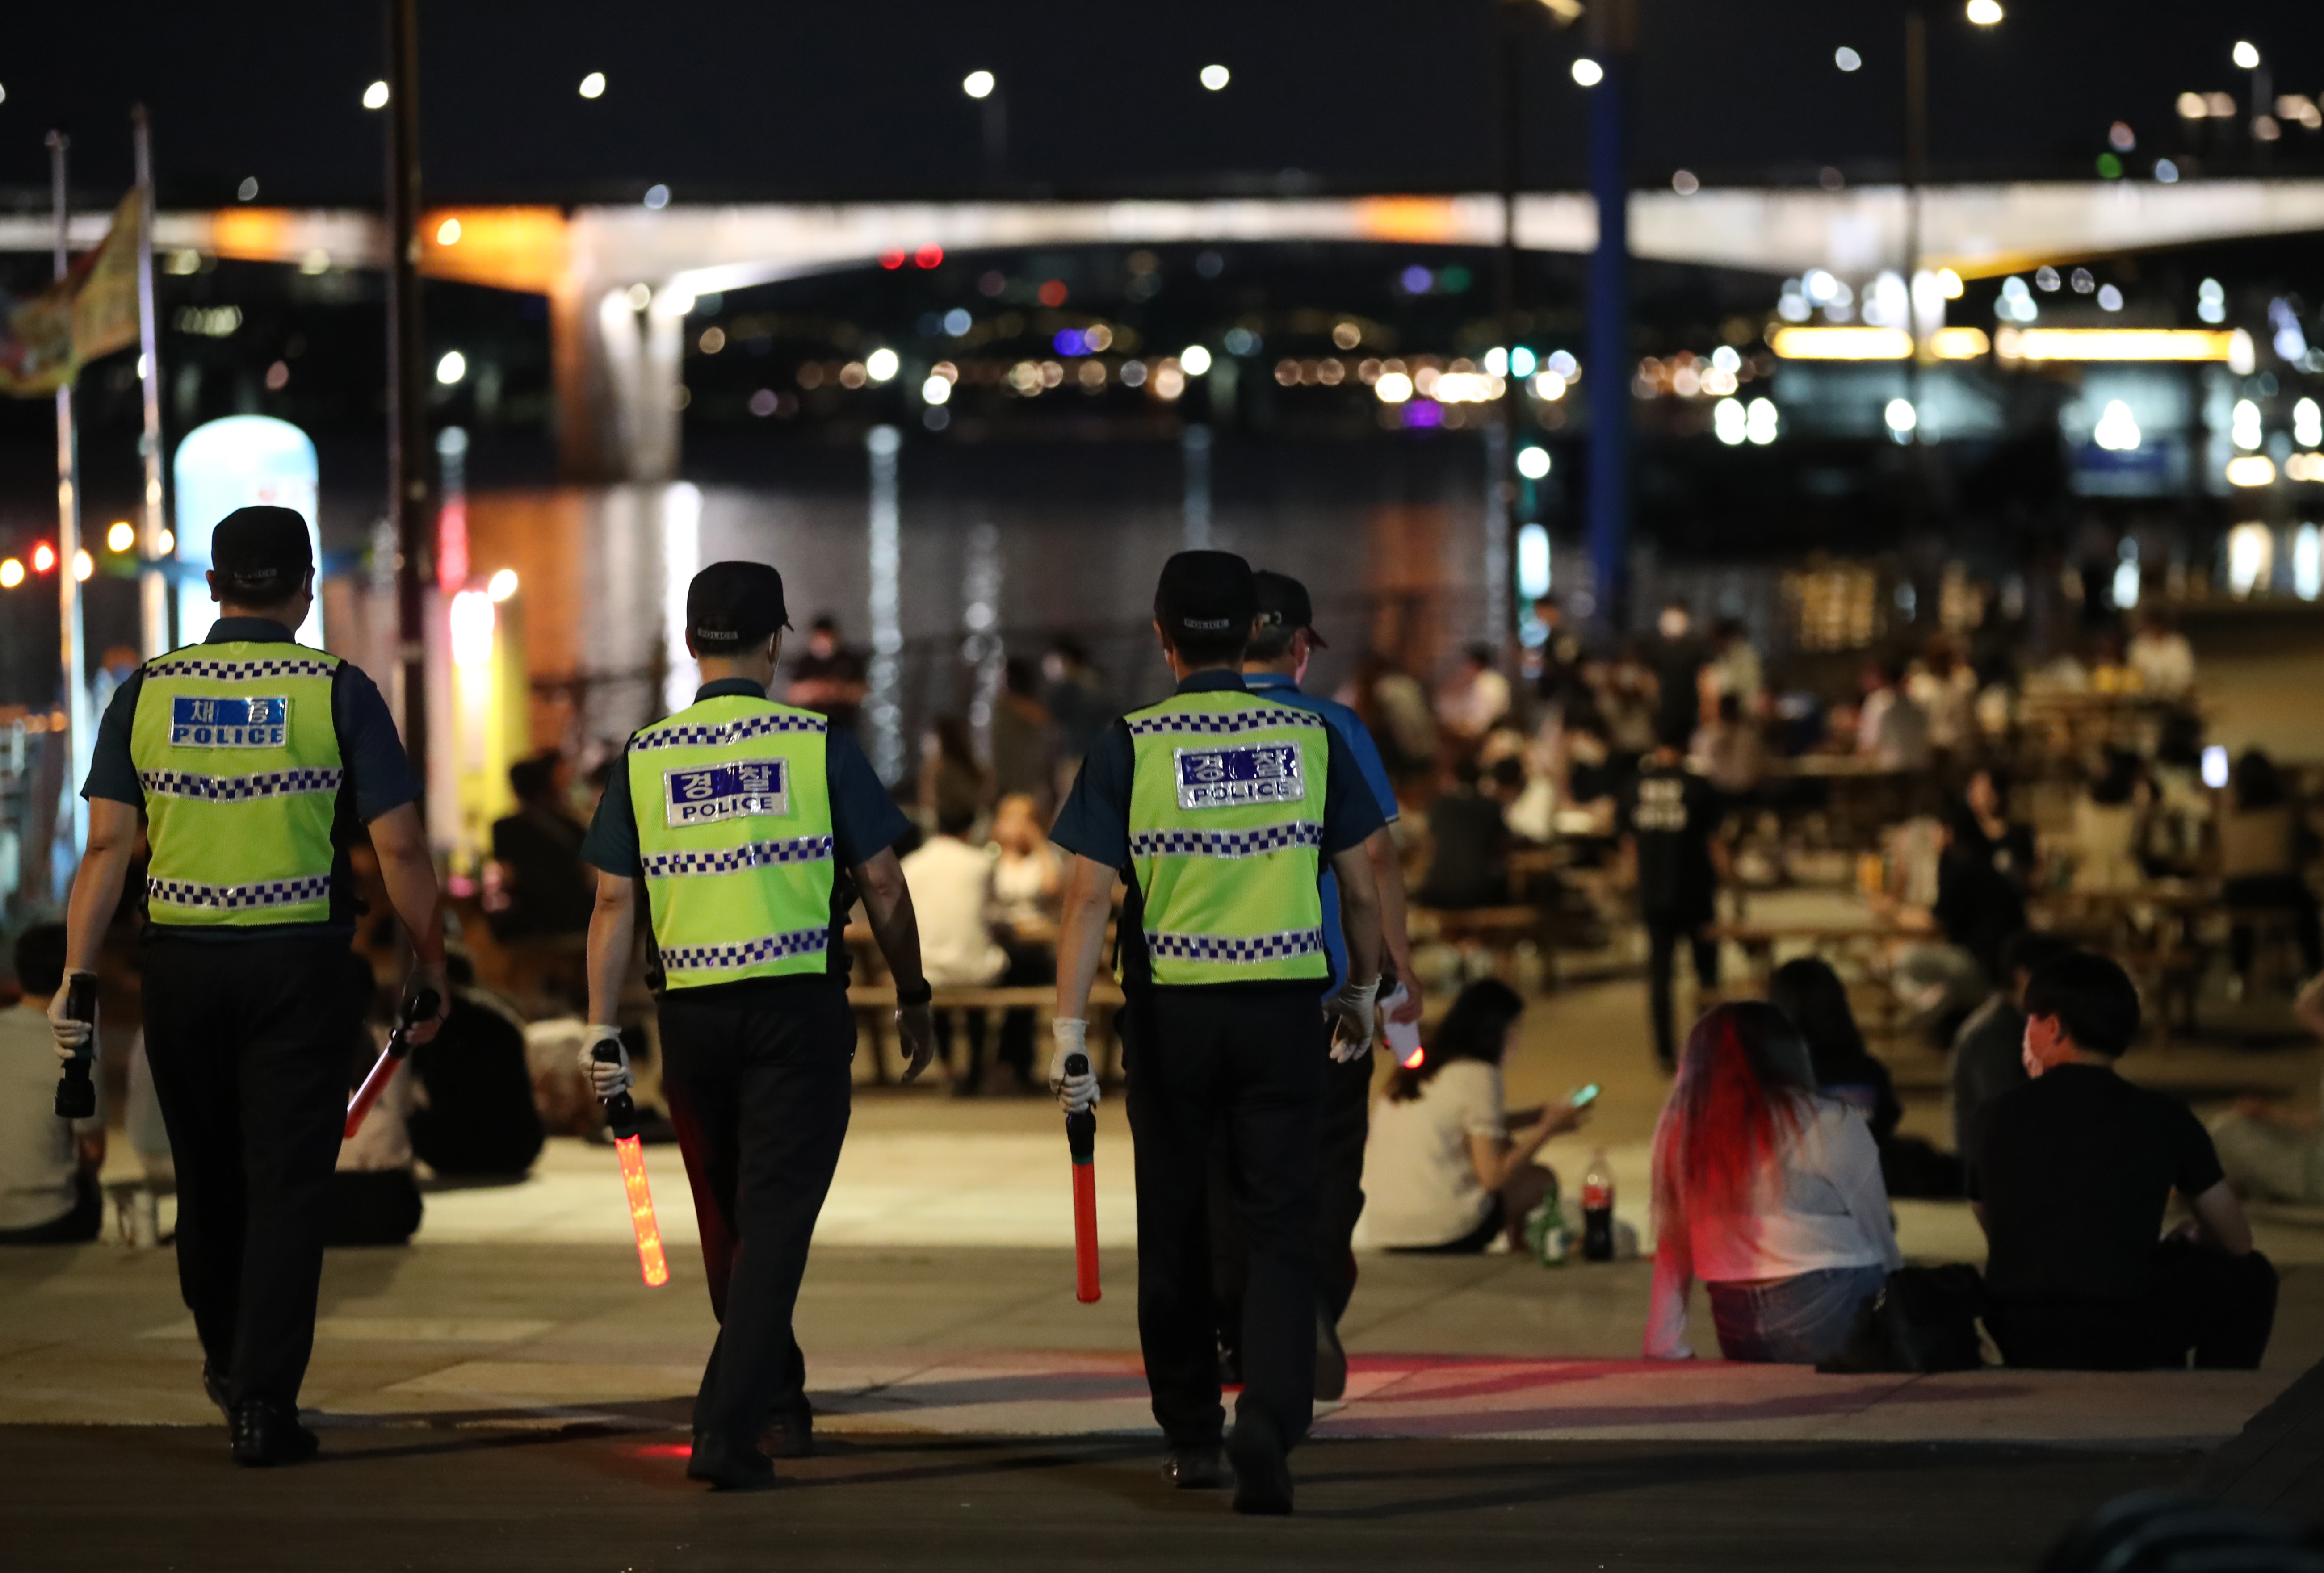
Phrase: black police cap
x=731 y=606
x=260 y=548
x=1283 y=603
x=1205 y=595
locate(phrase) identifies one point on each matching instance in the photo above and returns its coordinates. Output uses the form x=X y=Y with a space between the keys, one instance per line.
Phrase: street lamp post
x=1606 y=360
x=407 y=408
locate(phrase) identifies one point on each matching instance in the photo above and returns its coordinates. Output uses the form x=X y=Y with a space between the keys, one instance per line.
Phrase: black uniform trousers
x=1345 y=1127
x=249 y=1046
x=1248 y=1059
x=1663 y=936
x=757 y=1076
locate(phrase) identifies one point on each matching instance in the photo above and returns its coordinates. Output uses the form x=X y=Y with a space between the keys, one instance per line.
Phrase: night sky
x=724 y=99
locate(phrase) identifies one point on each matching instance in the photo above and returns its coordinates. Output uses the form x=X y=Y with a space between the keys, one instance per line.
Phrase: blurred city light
x=502 y=585
x=2308 y=424
x=2166 y=171
x=448 y=233
x=375 y=96
x=1902 y=417
x=2251 y=469
x=1215 y=77
x=11 y=574
x=978 y=84
x=1841 y=344
x=881 y=364
x=1845 y=59
x=451 y=368
x=2117 y=429
x=1195 y=360
x=83 y=565
x=1684 y=183
x=1533 y=462
x=2246 y=424
x=121 y=536
x=1985 y=13
x=2251 y=558
x=1393 y=388
x=2247 y=55
x=44 y=558
x=657 y=197
x=248 y=190
x=168 y=542
x=1587 y=72
x=958 y=322
x=2109 y=297
x=2308 y=562
x=1759 y=425
x=1729 y=422
x=593 y=85
x=472 y=620
x=1497 y=362
x=2113 y=344
x=1532 y=562
x=936 y=390
x=2211 y=300
x=1548 y=387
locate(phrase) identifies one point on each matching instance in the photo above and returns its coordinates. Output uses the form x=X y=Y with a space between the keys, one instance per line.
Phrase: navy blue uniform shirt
x=1094 y=823
x=864 y=823
x=378 y=779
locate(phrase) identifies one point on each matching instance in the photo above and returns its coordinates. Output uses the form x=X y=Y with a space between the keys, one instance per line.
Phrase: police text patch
x=228 y=723
x=708 y=793
x=1230 y=776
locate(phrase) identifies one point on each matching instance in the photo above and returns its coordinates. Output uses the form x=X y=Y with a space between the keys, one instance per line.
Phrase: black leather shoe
x=790 y=1433
x=1200 y=1468
x=729 y=1466
x=1262 y=1473
x=214 y=1388
x=1331 y=1362
x=266 y=1434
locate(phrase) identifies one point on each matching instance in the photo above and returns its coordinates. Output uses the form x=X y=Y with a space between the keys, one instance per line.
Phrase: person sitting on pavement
x=2073 y=1172
x=2273 y=1150
x=1809 y=992
x=1988 y=1052
x=2264 y=846
x=49 y=1193
x=1443 y=1173
x=475 y=1114
x=1768 y=1191
x=1469 y=835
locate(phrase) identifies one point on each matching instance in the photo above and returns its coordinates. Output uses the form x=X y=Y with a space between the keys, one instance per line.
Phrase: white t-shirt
x=37 y=1158
x=1420 y=1184
x=951 y=884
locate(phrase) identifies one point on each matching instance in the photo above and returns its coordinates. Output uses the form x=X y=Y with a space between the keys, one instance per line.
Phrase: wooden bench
x=874 y=1005
x=1498 y=930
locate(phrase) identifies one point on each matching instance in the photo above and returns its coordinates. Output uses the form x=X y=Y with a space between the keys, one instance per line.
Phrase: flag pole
x=152 y=580
x=76 y=685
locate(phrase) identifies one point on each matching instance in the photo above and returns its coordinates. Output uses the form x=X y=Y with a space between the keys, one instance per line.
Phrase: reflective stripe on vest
x=733 y=808
x=1226 y=807
x=238 y=754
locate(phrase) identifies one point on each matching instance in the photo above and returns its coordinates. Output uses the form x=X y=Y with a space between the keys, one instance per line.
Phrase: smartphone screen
x=1583 y=1096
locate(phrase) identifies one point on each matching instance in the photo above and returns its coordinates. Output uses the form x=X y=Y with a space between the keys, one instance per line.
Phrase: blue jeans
x=1791 y=1321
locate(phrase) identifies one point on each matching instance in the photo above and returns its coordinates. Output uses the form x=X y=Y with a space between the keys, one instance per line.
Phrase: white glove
x=609 y=1079
x=1073 y=1093
x=73 y=1037
x=1351 y=1011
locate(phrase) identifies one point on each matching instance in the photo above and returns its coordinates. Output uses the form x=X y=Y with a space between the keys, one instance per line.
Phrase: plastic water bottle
x=1597 y=1209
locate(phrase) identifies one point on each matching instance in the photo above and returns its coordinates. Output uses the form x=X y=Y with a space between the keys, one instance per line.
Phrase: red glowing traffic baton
x=622 y=1115
x=1081 y=1139
x=421 y=1007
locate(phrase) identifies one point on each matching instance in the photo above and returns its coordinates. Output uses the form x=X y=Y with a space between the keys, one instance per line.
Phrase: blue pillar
x=1606 y=361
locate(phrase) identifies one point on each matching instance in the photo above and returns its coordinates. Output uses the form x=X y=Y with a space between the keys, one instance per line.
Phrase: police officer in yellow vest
x=256 y=763
x=1220 y=808
x=753 y=828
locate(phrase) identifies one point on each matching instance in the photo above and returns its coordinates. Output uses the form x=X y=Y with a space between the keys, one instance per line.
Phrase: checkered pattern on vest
x=240 y=897
x=1274 y=947
x=240 y=789
x=718 y=734
x=806 y=941
x=757 y=855
x=1225 y=843
x=236 y=671
x=1223 y=723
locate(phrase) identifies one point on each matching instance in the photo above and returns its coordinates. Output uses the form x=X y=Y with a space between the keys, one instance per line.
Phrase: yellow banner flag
x=89 y=312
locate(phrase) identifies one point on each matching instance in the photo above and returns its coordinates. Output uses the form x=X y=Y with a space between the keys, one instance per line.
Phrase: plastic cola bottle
x=1597 y=1209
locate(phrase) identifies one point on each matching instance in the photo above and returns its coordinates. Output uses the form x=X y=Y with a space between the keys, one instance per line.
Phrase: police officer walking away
x=1273 y=665
x=253 y=760
x=1219 y=808
x=753 y=828
x=1670 y=819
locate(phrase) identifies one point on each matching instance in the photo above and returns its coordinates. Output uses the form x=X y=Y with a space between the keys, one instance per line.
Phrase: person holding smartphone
x=1446 y=1171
